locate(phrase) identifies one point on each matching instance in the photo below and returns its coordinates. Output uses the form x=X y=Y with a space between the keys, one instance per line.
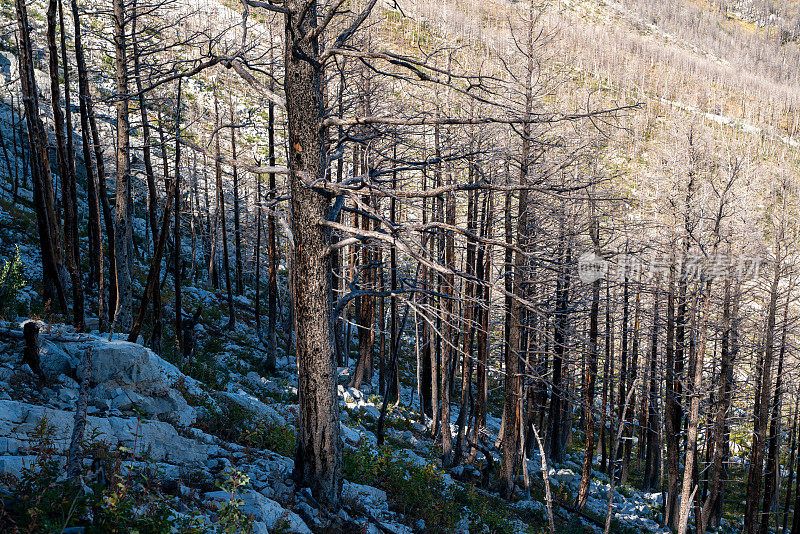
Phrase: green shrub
x=487 y=510
x=11 y=281
x=230 y=517
x=131 y=502
x=232 y=422
x=418 y=492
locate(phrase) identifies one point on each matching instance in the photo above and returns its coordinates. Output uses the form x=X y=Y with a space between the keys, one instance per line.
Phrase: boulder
x=126 y=363
x=252 y=404
x=372 y=412
x=364 y=498
x=562 y=476
x=535 y=508
x=55 y=361
x=413 y=458
x=157 y=439
x=262 y=509
x=350 y=436
x=171 y=406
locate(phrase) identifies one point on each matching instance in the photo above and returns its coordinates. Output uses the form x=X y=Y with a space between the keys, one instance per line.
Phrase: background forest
x=399 y=266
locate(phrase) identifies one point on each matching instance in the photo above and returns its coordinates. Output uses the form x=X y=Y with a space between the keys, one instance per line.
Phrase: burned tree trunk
x=318 y=459
x=43 y=198
x=66 y=170
x=92 y=187
x=123 y=232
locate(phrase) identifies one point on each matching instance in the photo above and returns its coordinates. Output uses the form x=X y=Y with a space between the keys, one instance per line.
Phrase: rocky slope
x=146 y=417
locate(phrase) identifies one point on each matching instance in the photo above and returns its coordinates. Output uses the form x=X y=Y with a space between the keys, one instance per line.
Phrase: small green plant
x=231 y=519
x=11 y=281
x=418 y=492
x=119 y=502
x=489 y=511
x=232 y=422
x=44 y=502
x=625 y=490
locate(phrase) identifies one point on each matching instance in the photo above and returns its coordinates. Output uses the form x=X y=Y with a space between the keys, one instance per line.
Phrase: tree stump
x=30 y=354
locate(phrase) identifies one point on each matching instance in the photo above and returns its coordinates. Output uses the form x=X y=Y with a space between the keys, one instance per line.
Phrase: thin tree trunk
x=237 y=233
x=771 y=475
x=366 y=303
x=483 y=333
x=557 y=436
x=589 y=375
x=95 y=229
x=673 y=413
x=152 y=194
x=652 y=453
x=123 y=232
x=153 y=273
x=512 y=355
x=687 y=488
x=43 y=198
x=395 y=332
x=632 y=375
x=272 y=284
x=427 y=388
x=221 y=210
x=607 y=370
x=614 y=448
x=176 y=236
x=755 y=473
x=623 y=378
x=108 y=216
x=468 y=320
x=66 y=167
x=792 y=455
x=449 y=332
x=257 y=254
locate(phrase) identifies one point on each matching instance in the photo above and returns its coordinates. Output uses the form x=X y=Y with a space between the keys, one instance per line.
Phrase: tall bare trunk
x=673 y=413
x=222 y=221
x=608 y=391
x=43 y=198
x=66 y=168
x=792 y=455
x=366 y=302
x=237 y=233
x=485 y=267
x=318 y=460
x=272 y=283
x=92 y=188
x=755 y=473
x=514 y=325
x=687 y=489
x=108 y=216
x=590 y=372
x=152 y=193
x=652 y=458
x=123 y=231
x=176 y=235
x=771 y=474
x=468 y=320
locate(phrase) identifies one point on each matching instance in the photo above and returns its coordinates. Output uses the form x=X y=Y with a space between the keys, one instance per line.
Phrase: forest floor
x=175 y=444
